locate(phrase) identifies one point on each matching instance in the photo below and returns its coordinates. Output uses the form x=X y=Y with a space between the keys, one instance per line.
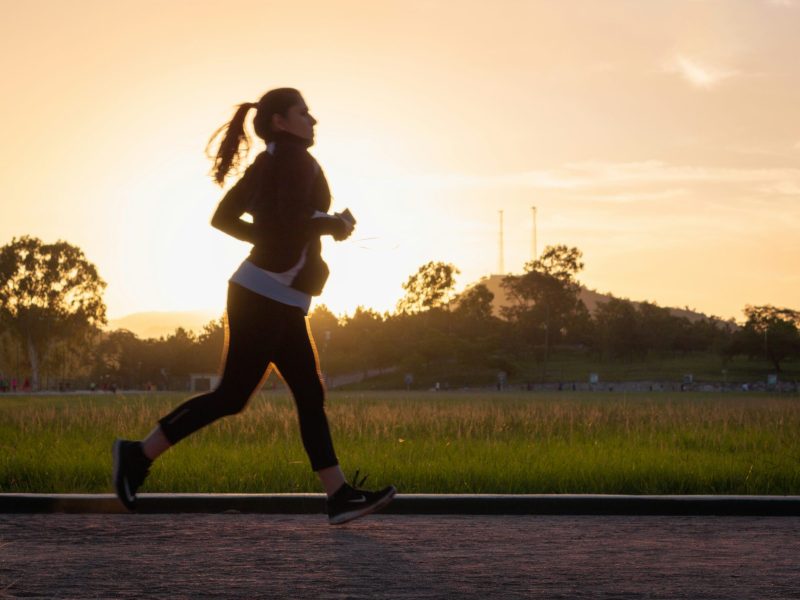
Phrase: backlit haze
x=662 y=138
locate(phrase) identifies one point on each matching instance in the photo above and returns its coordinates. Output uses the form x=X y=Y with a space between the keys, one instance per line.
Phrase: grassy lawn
x=567 y=366
x=424 y=442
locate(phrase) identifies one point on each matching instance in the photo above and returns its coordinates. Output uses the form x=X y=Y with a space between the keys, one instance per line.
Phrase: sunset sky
x=662 y=138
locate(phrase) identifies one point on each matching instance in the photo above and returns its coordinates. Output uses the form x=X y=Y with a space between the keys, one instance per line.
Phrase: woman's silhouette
x=287 y=196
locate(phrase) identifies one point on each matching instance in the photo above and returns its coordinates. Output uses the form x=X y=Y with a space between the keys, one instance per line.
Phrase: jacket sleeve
x=227 y=217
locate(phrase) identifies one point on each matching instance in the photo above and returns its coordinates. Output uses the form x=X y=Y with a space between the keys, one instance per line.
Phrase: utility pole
x=534 y=250
x=502 y=265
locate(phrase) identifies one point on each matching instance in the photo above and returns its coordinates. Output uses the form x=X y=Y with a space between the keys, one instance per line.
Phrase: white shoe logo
x=130 y=496
x=359 y=500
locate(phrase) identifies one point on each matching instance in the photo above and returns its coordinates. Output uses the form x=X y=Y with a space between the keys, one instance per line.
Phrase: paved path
x=391 y=556
x=417 y=504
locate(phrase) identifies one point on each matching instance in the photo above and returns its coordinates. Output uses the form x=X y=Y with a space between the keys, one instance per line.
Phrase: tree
x=178 y=353
x=659 y=329
x=119 y=357
x=323 y=324
x=618 y=329
x=209 y=346
x=546 y=295
x=430 y=287
x=475 y=303
x=9 y=354
x=360 y=340
x=770 y=332
x=48 y=292
x=325 y=330
x=477 y=336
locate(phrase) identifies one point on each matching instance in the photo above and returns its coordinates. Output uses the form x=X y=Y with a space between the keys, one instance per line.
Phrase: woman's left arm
x=297 y=208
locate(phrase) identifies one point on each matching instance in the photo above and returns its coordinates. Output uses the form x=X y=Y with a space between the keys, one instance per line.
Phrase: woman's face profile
x=298 y=121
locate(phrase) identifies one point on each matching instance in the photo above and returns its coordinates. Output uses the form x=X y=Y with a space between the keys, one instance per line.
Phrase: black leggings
x=262 y=331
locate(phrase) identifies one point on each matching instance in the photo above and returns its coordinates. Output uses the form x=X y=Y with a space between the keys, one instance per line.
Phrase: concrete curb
x=415 y=504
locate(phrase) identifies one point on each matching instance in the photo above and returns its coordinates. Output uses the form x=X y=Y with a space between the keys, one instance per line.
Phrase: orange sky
x=661 y=137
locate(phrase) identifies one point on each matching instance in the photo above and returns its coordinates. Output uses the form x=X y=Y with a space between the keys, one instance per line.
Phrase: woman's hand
x=343 y=229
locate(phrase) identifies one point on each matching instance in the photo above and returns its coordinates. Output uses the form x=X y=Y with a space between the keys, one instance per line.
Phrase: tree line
x=52 y=316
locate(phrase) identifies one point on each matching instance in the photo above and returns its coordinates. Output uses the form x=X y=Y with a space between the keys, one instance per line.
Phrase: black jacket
x=282 y=191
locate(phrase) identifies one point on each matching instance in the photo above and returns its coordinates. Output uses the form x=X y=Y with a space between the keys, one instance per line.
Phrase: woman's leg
x=254 y=331
x=296 y=361
x=155 y=444
x=332 y=479
x=255 y=326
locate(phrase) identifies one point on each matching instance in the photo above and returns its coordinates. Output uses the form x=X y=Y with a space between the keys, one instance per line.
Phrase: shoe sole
x=117 y=453
x=346 y=517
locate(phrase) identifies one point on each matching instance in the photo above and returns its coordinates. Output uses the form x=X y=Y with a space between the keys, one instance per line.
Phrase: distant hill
x=590 y=298
x=157 y=324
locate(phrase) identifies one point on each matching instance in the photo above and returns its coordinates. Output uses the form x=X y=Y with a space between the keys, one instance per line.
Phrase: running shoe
x=131 y=467
x=350 y=502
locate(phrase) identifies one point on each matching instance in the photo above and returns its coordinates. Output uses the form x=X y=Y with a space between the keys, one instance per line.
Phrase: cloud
x=638 y=196
x=599 y=173
x=595 y=175
x=542 y=179
x=699 y=75
x=752 y=150
x=782 y=188
x=787 y=3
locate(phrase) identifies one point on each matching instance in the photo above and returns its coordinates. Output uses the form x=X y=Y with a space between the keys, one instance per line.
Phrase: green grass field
x=423 y=442
x=571 y=366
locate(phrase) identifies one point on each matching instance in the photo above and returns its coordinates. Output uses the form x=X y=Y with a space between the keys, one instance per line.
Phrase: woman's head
x=279 y=110
x=283 y=109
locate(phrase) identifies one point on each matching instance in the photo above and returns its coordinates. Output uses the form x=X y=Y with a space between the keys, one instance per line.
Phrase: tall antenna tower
x=502 y=265
x=534 y=250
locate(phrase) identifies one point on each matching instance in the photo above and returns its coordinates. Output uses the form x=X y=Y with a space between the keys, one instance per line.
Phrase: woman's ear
x=278 y=122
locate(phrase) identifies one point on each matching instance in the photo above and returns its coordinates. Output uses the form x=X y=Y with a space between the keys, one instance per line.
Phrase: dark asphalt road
x=393 y=556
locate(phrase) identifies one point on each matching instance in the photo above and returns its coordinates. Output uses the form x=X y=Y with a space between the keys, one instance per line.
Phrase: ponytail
x=230 y=154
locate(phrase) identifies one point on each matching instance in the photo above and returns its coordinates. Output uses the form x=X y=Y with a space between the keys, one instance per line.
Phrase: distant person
x=408 y=380
x=287 y=196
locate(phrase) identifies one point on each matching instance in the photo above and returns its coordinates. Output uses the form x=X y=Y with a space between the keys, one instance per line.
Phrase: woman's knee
x=233 y=407
x=226 y=401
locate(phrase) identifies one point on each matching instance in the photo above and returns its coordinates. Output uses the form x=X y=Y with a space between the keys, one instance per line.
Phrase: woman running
x=287 y=196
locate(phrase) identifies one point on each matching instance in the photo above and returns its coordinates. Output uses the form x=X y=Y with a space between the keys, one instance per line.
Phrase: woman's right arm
x=227 y=217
